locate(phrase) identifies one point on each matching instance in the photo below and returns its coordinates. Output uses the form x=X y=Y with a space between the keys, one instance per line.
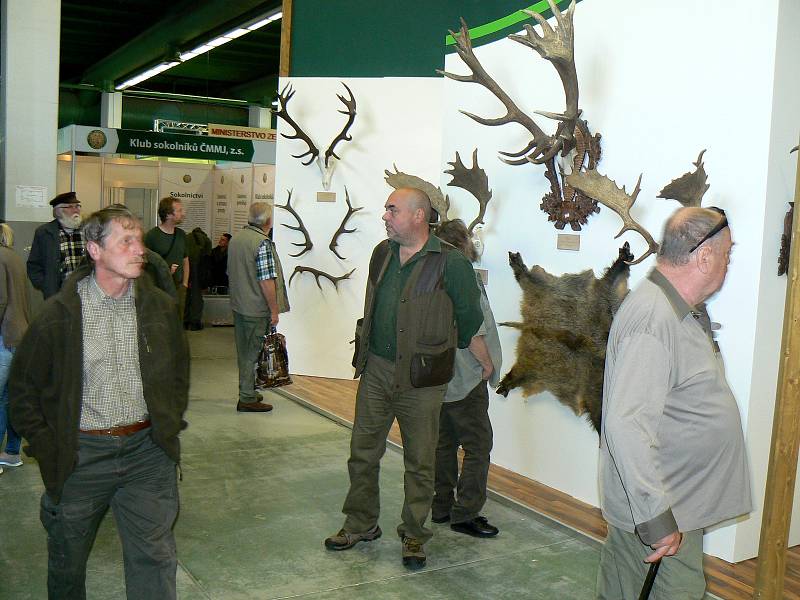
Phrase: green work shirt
x=173 y=253
x=459 y=283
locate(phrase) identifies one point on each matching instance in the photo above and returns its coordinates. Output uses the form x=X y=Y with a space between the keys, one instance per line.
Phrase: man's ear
x=703 y=258
x=93 y=248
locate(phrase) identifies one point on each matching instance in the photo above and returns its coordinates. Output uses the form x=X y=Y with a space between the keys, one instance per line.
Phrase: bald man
x=672 y=453
x=422 y=303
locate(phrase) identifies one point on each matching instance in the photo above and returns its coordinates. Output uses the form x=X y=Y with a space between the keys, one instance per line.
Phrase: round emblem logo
x=96 y=139
x=187 y=178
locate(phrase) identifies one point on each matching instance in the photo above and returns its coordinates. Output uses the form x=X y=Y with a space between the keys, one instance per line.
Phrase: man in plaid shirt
x=58 y=246
x=258 y=295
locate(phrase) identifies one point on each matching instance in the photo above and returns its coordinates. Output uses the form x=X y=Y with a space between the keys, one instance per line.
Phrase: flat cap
x=65 y=198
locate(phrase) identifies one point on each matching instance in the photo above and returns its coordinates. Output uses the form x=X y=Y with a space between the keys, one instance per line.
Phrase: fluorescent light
x=266 y=21
x=236 y=33
x=151 y=72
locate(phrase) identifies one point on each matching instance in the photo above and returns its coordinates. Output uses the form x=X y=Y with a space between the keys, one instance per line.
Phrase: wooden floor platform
x=725 y=580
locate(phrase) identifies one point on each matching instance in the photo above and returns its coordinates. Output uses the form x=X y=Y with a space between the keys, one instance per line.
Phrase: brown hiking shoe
x=345 y=540
x=413 y=553
x=253 y=406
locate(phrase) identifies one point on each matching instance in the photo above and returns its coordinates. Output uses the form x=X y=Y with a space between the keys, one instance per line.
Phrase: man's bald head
x=408 y=211
x=682 y=232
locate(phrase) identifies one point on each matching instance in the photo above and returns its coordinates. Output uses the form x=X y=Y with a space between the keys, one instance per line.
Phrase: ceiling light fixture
x=237 y=32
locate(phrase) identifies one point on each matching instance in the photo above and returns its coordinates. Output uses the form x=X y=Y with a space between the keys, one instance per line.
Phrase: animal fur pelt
x=564 y=330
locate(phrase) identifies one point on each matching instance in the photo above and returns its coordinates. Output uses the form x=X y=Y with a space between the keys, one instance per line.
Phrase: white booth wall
x=660 y=86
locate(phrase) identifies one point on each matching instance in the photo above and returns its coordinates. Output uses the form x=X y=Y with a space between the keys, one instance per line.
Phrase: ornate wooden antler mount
x=283 y=102
x=341 y=230
x=307 y=244
x=554 y=45
x=564 y=204
x=317 y=274
x=439 y=201
x=350 y=106
x=688 y=189
x=475 y=181
x=605 y=191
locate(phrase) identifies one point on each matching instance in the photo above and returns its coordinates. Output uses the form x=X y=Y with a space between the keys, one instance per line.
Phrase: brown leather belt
x=119 y=430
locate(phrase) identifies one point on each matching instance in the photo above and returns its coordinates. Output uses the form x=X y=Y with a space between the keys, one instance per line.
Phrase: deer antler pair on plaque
x=328 y=164
x=307 y=244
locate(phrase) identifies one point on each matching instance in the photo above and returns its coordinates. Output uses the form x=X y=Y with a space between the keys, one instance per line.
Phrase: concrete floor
x=261 y=492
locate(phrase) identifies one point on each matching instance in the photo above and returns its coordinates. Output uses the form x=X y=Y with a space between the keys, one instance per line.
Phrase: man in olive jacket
x=98 y=387
x=422 y=303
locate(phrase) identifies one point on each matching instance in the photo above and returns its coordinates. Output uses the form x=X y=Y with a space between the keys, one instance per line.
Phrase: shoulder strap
x=432 y=273
x=378 y=261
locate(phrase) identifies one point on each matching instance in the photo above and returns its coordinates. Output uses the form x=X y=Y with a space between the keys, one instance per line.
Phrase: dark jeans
x=249 y=336
x=463 y=423
x=137 y=480
x=417 y=412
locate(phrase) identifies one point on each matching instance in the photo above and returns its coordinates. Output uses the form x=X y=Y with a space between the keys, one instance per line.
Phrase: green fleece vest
x=427 y=336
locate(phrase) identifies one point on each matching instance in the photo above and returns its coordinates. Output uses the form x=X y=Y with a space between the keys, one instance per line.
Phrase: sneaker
x=344 y=540
x=10 y=460
x=413 y=553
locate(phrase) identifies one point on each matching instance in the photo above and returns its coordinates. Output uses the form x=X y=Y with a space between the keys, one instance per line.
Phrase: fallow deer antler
x=439 y=201
x=475 y=181
x=606 y=192
x=558 y=47
x=343 y=136
x=341 y=230
x=307 y=244
x=283 y=101
x=688 y=189
x=317 y=274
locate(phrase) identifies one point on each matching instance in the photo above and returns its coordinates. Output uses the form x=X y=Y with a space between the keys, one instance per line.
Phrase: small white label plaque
x=326 y=196
x=568 y=241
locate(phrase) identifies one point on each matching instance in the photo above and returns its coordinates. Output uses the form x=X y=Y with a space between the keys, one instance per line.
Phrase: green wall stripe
x=518 y=16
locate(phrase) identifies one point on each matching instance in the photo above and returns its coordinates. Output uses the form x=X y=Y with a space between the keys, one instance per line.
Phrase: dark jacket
x=44 y=261
x=45 y=385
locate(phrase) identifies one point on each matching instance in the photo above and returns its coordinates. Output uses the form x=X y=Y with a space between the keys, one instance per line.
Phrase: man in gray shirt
x=672 y=453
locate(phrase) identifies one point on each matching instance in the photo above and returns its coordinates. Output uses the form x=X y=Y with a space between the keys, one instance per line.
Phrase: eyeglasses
x=714 y=230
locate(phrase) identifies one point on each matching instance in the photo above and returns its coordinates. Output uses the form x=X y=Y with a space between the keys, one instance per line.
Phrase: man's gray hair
x=98 y=226
x=684 y=229
x=258 y=214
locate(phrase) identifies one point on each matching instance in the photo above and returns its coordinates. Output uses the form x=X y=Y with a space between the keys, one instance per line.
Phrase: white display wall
x=660 y=86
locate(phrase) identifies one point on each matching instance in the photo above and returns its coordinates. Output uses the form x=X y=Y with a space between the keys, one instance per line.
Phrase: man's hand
x=172 y=268
x=481 y=353
x=273 y=319
x=666 y=546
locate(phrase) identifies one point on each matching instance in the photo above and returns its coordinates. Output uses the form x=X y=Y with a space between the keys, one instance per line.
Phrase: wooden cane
x=649 y=580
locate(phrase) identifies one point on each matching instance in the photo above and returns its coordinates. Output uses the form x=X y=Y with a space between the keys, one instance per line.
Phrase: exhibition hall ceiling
x=105 y=43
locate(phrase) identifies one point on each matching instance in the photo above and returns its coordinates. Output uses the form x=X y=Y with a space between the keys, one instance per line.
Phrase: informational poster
x=264 y=184
x=194 y=188
x=222 y=206
x=242 y=194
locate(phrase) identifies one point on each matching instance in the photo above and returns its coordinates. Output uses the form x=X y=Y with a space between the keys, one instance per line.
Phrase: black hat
x=65 y=198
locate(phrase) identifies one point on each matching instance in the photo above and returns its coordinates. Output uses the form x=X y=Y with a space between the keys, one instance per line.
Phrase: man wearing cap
x=58 y=246
x=672 y=452
x=98 y=388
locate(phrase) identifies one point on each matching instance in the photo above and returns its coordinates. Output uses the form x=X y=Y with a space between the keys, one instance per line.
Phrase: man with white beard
x=58 y=246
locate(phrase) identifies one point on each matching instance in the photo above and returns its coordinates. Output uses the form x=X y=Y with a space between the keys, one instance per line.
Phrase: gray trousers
x=417 y=413
x=249 y=334
x=463 y=423
x=623 y=570
x=137 y=480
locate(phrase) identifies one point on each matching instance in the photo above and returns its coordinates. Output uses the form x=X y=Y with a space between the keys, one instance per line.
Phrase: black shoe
x=477 y=527
x=440 y=520
x=195 y=326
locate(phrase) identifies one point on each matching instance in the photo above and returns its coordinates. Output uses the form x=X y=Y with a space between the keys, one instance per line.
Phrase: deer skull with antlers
x=326 y=164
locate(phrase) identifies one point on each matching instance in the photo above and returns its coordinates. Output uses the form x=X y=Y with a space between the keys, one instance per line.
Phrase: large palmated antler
x=554 y=45
x=317 y=274
x=283 y=101
x=439 y=201
x=688 y=189
x=606 y=192
x=475 y=181
x=350 y=106
x=307 y=244
x=341 y=230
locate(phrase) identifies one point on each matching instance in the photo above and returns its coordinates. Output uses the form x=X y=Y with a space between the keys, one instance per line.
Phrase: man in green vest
x=258 y=295
x=422 y=303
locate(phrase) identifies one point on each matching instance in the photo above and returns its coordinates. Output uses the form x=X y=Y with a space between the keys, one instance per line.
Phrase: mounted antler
x=554 y=45
x=439 y=201
x=688 y=189
x=475 y=181
x=307 y=244
x=350 y=105
x=341 y=230
x=283 y=101
x=317 y=274
x=605 y=191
